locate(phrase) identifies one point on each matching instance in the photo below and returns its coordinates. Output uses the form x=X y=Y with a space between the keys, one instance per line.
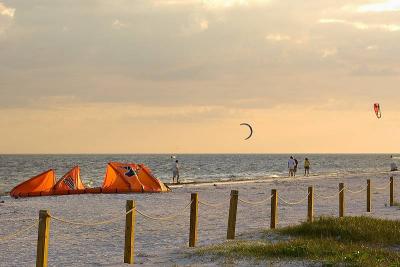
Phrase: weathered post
x=130 y=232
x=368 y=195
x=310 y=210
x=232 y=215
x=43 y=239
x=194 y=208
x=341 y=200
x=391 y=191
x=274 y=208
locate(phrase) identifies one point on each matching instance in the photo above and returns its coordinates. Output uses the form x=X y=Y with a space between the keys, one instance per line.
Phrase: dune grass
x=354 y=241
x=349 y=229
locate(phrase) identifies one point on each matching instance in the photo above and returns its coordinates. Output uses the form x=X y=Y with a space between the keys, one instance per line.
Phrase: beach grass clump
x=328 y=252
x=353 y=241
x=348 y=229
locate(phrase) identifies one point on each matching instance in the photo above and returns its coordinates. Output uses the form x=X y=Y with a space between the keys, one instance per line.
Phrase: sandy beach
x=165 y=241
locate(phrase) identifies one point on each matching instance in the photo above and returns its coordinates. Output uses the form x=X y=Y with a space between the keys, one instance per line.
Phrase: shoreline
x=272 y=179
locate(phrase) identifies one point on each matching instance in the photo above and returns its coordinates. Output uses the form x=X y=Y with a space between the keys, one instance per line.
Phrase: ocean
x=194 y=167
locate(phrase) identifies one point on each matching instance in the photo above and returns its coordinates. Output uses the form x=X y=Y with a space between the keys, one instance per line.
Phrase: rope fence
x=166 y=218
x=329 y=197
x=211 y=204
x=383 y=188
x=296 y=202
x=19 y=232
x=254 y=203
x=43 y=222
x=356 y=192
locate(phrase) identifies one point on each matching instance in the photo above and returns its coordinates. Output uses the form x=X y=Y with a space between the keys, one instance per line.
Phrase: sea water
x=193 y=167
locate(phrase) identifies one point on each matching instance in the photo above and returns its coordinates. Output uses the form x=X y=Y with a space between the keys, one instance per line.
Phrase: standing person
x=291 y=164
x=393 y=165
x=295 y=167
x=306 y=167
x=175 y=172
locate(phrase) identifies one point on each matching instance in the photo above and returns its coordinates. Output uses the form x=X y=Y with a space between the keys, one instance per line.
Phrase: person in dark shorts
x=306 y=167
x=296 y=163
x=175 y=172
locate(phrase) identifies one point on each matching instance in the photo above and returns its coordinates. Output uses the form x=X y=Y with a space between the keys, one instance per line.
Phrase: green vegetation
x=354 y=241
x=349 y=229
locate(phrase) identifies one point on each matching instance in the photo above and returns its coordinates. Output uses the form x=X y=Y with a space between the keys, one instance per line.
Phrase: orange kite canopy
x=70 y=183
x=120 y=178
x=130 y=177
x=40 y=185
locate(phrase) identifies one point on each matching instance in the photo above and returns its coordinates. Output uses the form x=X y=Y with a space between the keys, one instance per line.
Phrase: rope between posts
x=15 y=234
x=211 y=205
x=17 y=219
x=255 y=202
x=382 y=188
x=92 y=223
x=359 y=191
x=328 y=197
x=294 y=203
x=167 y=218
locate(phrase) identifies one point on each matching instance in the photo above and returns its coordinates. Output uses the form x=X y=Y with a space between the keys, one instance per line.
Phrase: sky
x=179 y=76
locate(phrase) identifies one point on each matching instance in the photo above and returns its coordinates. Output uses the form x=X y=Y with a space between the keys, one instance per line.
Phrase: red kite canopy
x=377 y=110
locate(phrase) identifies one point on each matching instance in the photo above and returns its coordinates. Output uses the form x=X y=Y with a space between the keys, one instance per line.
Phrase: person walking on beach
x=175 y=172
x=296 y=163
x=306 y=167
x=291 y=164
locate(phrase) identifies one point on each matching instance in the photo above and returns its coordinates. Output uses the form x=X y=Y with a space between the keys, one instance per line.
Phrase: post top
x=44 y=213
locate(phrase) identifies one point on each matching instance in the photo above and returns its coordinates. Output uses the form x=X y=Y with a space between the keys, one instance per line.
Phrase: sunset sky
x=179 y=76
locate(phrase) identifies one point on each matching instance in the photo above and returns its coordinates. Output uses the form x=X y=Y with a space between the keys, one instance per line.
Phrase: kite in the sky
x=251 y=129
x=377 y=110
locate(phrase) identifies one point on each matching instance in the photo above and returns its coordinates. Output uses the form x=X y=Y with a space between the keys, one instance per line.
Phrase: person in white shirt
x=291 y=166
x=175 y=172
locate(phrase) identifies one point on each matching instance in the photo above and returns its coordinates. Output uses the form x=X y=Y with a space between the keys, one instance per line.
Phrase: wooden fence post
x=341 y=200
x=368 y=195
x=274 y=208
x=232 y=215
x=310 y=210
x=43 y=239
x=130 y=232
x=194 y=208
x=391 y=191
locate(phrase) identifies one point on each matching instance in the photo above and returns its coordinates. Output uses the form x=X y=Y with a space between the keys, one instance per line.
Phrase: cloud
x=7 y=11
x=278 y=37
x=232 y=3
x=328 y=52
x=372 y=47
x=384 y=6
x=117 y=24
x=6 y=18
x=374 y=71
x=362 y=25
x=204 y=24
x=211 y=4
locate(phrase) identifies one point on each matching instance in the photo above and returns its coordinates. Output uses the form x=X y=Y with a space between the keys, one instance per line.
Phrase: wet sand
x=165 y=242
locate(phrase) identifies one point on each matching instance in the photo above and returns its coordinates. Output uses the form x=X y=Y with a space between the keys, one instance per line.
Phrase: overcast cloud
x=219 y=55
